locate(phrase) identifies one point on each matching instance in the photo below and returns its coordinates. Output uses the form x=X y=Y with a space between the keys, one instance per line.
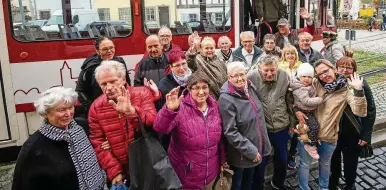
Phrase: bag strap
x=140 y=124
x=351 y=117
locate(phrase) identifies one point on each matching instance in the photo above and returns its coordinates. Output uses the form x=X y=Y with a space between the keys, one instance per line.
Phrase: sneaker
x=312 y=151
x=291 y=163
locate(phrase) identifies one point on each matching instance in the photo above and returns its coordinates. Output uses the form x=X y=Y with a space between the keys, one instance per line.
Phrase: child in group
x=306 y=102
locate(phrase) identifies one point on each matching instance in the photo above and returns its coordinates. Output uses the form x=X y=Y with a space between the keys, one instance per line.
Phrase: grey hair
x=106 y=66
x=51 y=97
x=246 y=33
x=234 y=65
x=223 y=38
x=164 y=28
x=268 y=60
x=305 y=34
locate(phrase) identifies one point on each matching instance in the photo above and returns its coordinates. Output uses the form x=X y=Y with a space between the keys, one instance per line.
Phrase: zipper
x=207 y=146
x=253 y=104
x=126 y=130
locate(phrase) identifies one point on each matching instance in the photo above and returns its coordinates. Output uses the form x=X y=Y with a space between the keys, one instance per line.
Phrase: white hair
x=247 y=33
x=107 y=66
x=223 y=38
x=234 y=65
x=306 y=34
x=51 y=97
x=164 y=28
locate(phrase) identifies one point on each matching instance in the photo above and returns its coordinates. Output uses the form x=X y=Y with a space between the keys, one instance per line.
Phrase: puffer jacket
x=334 y=51
x=305 y=96
x=275 y=98
x=87 y=87
x=243 y=125
x=118 y=129
x=196 y=150
x=214 y=69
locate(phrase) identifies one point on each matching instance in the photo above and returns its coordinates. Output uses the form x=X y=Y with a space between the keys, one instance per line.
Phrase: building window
x=104 y=14
x=124 y=14
x=44 y=15
x=150 y=14
x=192 y=17
x=219 y=17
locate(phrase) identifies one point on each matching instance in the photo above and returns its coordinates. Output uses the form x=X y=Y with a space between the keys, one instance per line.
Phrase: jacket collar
x=256 y=53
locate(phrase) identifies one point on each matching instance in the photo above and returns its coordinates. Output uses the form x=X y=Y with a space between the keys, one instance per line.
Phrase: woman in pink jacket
x=193 y=120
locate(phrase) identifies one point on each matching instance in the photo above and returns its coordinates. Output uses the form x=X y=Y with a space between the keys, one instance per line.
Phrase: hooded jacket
x=305 y=96
x=87 y=87
x=196 y=150
x=243 y=125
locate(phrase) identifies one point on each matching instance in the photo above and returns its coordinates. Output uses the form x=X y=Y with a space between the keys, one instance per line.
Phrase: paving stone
x=293 y=181
x=315 y=174
x=373 y=161
x=369 y=181
x=313 y=185
x=359 y=187
x=383 y=174
x=381 y=167
x=380 y=186
x=360 y=172
x=358 y=179
x=371 y=173
x=378 y=151
x=365 y=186
x=381 y=180
x=361 y=165
x=371 y=166
x=383 y=148
x=311 y=178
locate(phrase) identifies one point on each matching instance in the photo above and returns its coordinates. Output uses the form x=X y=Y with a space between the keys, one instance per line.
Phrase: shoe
x=312 y=151
x=291 y=163
x=275 y=187
x=350 y=187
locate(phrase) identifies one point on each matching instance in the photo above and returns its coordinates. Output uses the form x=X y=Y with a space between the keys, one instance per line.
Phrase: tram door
x=4 y=125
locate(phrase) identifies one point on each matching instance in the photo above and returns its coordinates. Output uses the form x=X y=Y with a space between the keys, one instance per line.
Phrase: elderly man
x=247 y=52
x=272 y=90
x=152 y=66
x=114 y=117
x=286 y=35
x=306 y=53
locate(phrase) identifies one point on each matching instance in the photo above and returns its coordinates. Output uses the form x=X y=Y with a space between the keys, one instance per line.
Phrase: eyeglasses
x=237 y=76
x=342 y=68
x=180 y=65
x=165 y=36
x=248 y=42
x=106 y=49
x=323 y=73
x=198 y=89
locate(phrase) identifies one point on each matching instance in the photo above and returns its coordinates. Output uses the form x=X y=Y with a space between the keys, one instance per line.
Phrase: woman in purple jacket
x=193 y=120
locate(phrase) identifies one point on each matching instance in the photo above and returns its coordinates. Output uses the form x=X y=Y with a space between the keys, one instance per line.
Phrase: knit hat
x=305 y=69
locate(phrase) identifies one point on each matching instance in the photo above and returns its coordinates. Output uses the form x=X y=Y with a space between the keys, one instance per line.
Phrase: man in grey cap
x=286 y=35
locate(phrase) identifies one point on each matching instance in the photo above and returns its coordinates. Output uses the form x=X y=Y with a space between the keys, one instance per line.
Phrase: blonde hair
x=207 y=40
x=223 y=38
x=291 y=49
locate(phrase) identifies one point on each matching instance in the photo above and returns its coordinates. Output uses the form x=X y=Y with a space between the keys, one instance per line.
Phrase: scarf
x=90 y=176
x=182 y=80
x=336 y=85
x=226 y=56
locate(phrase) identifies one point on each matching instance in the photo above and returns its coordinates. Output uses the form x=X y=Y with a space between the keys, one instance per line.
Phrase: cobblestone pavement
x=366 y=41
x=379 y=93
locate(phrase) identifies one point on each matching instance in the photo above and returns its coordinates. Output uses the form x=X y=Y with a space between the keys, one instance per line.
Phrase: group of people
x=211 y=108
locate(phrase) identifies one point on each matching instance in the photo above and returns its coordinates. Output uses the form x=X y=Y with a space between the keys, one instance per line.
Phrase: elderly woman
x=270 y=47
x=58 y=155
x=244 y=127
x=225 y=52
x=196 y=151
x=290 y=61
x=333 y=49
x=350 y=139
x=337 y=93
x=208 y=62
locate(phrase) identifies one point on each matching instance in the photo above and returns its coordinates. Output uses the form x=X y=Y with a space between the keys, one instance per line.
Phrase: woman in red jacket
x=114 y=117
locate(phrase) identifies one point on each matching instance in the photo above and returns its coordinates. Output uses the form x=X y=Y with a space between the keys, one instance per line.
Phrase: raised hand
x=172 y=99
x=123 y=103
x=355 y=81
x=304 y=14
x=151 y=85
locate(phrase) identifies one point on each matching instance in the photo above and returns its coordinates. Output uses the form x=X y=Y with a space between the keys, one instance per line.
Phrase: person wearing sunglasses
x=333 y=49
x=350 y=139
x=87 y=87
x=337 y=93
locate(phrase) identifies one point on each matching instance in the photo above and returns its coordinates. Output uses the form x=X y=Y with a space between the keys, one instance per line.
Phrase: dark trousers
x=348 y=145
x=242 y=178
x=293 y=145
x=313 y=126
x=279 y=141
x=259 y=178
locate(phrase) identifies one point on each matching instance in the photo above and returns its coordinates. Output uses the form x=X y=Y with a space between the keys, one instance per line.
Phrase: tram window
x=315 y=12
x=49 y=20
x=186 y=16
x=330 y=18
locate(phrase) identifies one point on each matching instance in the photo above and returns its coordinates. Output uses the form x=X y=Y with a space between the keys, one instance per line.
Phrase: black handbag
x=149 y=164
x=366 y=150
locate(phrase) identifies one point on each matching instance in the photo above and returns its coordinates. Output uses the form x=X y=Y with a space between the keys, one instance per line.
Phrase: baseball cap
x=283 y=21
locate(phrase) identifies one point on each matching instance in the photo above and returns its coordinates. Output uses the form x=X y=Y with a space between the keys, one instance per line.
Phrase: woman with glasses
x=195 y=151
x=337 y=92
x=244 y=127
x=87 y=87
x=350 y=139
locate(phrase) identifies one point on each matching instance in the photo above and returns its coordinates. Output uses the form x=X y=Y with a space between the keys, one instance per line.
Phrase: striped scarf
x=90 y=176
x=226 y=56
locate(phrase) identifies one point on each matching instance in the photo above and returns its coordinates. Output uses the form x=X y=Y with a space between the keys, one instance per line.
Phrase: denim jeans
x=242 y=178
x=325 y=150
x=279 y=142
